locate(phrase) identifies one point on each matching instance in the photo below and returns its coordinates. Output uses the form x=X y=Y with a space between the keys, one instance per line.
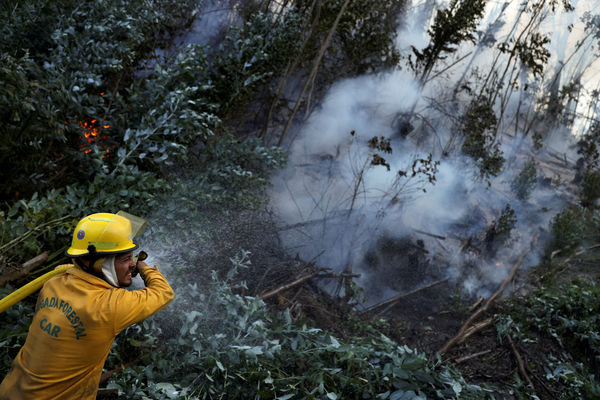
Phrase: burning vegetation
x=428 y=254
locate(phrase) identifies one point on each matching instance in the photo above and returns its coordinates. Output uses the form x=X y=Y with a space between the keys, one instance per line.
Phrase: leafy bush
x=524 y=182
x=367 y=33
x=499 y=232
x=14 y=324
x=478 y=125
x=251 y=55
x=230 y=346
x=590 y=188
x=63 y=69
x=568 y=228
x=569 y=314
x=41 y=223
x=168 y=113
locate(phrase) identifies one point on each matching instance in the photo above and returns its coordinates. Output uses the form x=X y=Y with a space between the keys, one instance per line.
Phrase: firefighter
x=80 y=312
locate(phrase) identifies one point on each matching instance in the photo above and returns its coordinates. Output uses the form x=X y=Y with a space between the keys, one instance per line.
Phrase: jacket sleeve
x=133 y=306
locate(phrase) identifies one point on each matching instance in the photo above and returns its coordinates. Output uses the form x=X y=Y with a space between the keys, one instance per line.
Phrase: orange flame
x=91 y=132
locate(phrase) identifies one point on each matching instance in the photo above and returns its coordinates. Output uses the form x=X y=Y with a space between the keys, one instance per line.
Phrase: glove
x=140 y=257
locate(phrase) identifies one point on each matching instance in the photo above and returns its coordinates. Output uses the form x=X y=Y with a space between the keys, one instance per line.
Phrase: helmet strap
x=92 y=251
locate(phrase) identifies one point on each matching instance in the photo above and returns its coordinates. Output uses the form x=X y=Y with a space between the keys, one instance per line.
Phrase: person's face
x=124 y=266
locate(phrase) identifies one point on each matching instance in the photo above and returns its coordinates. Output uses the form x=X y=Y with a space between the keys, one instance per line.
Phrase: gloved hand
x=139 y=262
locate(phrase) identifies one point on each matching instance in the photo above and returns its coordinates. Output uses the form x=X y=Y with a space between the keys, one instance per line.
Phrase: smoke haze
x=335 y=207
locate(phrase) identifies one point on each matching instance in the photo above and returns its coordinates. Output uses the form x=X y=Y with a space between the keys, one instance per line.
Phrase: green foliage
x=570 y=315
x=580 y=382
x=31 y=134
x=478 y=125
x=169 y=113
x=568 y=228
x=364 y=38
x=249 y=56
x=14 y=324
x=367 y=32
x=144 y=130
x=524 y=183
x=56 y=66
x=233 y=169
x=41 y=223
x=499 y=232
x=533 y=53
x=451 y=27
x=587 y=148
x=590 y=188
x=229 y=346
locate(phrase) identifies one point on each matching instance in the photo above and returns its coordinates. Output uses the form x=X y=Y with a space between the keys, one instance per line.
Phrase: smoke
x=337 y=207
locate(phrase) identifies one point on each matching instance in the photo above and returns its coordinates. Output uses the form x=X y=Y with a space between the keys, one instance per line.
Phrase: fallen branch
x=401 y=296
x=433 y=235
x=297 y=282
x=580 y=252
x=471 y=356
x=476 y=304
x=25 y=269
x=476 y=328
x=520 y=362
x=488 y=302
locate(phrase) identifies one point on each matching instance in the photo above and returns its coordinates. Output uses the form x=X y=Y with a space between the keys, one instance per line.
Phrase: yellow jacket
x=78 y=316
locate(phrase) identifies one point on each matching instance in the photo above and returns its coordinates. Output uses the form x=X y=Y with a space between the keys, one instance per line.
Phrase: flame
x=92 y=133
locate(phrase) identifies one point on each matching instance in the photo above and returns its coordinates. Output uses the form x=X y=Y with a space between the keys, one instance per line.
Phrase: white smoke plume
x=337 y=208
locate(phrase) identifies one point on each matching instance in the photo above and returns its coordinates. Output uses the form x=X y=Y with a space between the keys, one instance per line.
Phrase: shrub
x=41 y=223
x=568 y=228
x=524 y=183
x=590 y=188
x=499 y=232
x=14 y=324
x=63 y=69
x=229 y=346
x=478 y=125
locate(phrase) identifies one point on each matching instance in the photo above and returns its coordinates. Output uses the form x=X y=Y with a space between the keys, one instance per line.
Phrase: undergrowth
x=230 y=346
x=569 y=314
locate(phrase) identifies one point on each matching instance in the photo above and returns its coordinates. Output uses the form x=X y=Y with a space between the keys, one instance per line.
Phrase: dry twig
x=433 y=235
x=475 y=328
x=476 y=304
x=520 y=362
x=471 y=356
x=394 y=299
x=459 y=336
x=297 y=282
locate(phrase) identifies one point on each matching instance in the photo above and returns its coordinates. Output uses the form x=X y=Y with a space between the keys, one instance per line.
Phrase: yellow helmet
x=102 y=233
